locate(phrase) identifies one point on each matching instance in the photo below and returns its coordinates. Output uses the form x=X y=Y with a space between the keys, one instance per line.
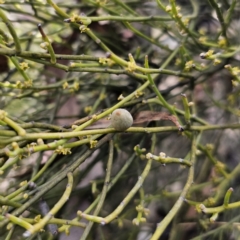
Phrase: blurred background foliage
x=193 y=49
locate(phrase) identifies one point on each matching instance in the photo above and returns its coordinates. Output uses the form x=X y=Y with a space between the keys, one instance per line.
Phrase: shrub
x=68 y=166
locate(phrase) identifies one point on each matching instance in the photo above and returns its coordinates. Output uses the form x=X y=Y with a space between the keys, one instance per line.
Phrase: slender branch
x=126 y=200
x=53 y=182
x=40 y=225
x=165 y=222
x=66 y=135
x=11 y=30
x=103 y=192
x=220 y=18
x=39 y=55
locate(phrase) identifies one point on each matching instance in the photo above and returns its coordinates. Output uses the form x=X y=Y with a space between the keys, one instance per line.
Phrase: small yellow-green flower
x=93 y=143
x=216 y=61
x=88 y=109
x=222 y=42
x=62 y=150
x=131 y=67
x=65 y=85
x=189 y=66
x=24 y=66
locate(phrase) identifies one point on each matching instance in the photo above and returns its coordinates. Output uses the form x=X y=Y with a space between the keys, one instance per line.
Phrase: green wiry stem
x=161 y=46
x=131 y=19
x=220 y=17
x=53 y=182
x=209 y=210
x=11 y=30
x=58 y=10
x=157 y=92
x=126 y=200
x=11 y=123
x=230 y=13
x=20 y=70
x=123 y=204
x=227 y=197
x=113 y=56
x=38 y=226
x=58 y=221
x=110 y=186
x=165 y=222
x=39 y=55
x=18 y=221
x=167 y=160
x=98 y=132
x=48 y=44
x=186 y=109
x=104 y=191
x=125 y=6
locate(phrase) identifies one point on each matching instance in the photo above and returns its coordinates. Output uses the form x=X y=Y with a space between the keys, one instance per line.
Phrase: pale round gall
x=121 y=119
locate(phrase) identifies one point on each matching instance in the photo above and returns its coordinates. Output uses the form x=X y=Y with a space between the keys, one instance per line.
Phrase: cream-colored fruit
x=121 y=119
